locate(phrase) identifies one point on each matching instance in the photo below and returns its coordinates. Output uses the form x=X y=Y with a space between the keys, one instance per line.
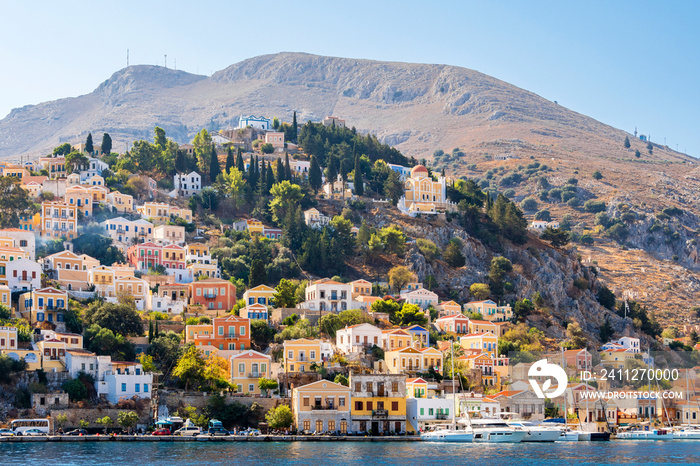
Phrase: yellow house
x=432 y=357
x=247 y=368
x=30 y=222
x=8 y=338
x=17 y=171
x=120 y=202
x=191 y=331
x=197 y=251
x=396 y=338
x=7 y=255
x=31 y=356
x=53 y=352
x=416 y=388
x=161 y=212
x=71 y=340
x=483 y=326
x=98 y=193
x=321 y=406
x=102 y=278
x=485 y=342
x=136 y=287
x=490 y=375
x=616 y=357
x=378 y=403
x=80 y=197
x=261 y=294
x=489 y=310
x=5 y=295
x=43 y=305
x=413 y=360
x=300 y=354
x=58 y=220
x=361 y=287
x=448 y=308
x=255 y=227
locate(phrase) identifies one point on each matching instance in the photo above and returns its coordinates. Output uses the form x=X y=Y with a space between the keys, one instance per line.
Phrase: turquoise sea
x=339 y=453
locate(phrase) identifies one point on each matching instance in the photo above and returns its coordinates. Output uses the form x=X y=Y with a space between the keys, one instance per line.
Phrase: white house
x=357 y=338
x=125 y=380
x=328 y=295
x=81 y=360
x=23 y=274
x=541 y=225
x=23 y=239
x=128 y=231
x=403 y=172
x=315 y=219
x=628 y=343
x=423 y=411
x=421 y=297
x=254 y=121
x=92 y=168
x=187 y=185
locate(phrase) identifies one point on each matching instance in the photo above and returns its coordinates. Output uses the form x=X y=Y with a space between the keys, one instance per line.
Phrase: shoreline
x=228 y=438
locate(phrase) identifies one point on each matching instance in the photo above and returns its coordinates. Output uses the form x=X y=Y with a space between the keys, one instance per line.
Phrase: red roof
x=418 y=380
x=419 y=168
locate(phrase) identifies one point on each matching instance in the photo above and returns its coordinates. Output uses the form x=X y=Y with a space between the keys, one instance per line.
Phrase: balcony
x=380 y=393
x=380 y=413
x=209 y=295
x=323 y=408
x=441 y=416
x=254 y=375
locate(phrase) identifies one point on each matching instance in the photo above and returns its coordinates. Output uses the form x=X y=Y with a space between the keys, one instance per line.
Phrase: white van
x=188 y=431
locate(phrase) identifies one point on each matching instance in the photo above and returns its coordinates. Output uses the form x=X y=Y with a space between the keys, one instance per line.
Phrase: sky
x=625 y=63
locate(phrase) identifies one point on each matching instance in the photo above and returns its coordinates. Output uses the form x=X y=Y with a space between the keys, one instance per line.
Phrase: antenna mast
x=166 y=60
x=127 y=58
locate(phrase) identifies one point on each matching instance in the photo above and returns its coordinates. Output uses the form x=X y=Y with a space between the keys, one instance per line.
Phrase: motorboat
x=569 y=435
x=496 y=431
x=536 y=433
x=687 y=433
x=448 y=433
x=652 y=434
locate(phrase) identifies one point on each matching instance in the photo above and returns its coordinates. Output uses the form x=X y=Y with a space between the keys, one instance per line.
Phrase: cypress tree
x=627 y=142
x=229 y=159
x=252 y=181
x=239 y=162
x=214 y=167
x=280 y=171
x=357 y=177
x=106 y=144
x=263 y=174
x=257 y=276
x=156 y=331
x=287 y=168
x=294 y=128
x=89 y=148
x=315 y=179
x=150 y=330
x=270 y=178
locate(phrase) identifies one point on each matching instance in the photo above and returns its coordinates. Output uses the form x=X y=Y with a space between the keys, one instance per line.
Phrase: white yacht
x=536 y=433
x=687 y=433
x=652 y=434
x=448 y=433
x=496 y=431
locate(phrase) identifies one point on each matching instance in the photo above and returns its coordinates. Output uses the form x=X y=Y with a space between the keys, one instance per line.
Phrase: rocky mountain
x=488 y=129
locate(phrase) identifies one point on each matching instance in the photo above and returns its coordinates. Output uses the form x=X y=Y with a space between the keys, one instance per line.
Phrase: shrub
x=509 y=193
x=594 y=206
x=528 y=204
x=428 y=249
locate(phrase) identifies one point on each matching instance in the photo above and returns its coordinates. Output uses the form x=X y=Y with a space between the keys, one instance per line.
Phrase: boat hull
x=542 y=436
x=447 y=436
x=499 y=436
x=651 y=435
x=687 y=435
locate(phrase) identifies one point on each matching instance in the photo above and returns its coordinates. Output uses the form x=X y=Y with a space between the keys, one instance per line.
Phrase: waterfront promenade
x=227 y=438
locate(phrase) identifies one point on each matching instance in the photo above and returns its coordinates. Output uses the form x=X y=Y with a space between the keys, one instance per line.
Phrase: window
x=251 y=388
x=307 y=424
x=306 y=401
x=341 y=401
x=370 y=406
x=313 y=354
x=358 y=406
x=358 y=387
x=137 y=388
x=241 y=368
x=369 y=386
x=123 y=387
x=221 y=330
x=394 y=405
x=242 y=330
x=394 y=386
x=422 y=411
x=430 y=411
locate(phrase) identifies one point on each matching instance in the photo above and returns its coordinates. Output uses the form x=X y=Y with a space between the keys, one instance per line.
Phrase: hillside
x=420 y=108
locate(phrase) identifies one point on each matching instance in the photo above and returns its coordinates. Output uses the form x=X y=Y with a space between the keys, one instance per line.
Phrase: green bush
x=594 y=206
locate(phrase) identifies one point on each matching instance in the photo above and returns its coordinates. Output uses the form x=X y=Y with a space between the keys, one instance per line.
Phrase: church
x=422 y=195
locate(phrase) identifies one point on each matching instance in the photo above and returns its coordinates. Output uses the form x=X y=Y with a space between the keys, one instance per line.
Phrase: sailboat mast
x=454 y=395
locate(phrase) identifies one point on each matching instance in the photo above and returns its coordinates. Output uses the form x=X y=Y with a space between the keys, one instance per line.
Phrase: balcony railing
x=323 y=407
x=441 y=416
x=209 y=295
x=254 y=375
x=380 y=413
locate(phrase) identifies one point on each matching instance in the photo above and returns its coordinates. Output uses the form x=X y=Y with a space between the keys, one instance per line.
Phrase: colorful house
x=396 y=338
x=43 y=305
x=225 y=333
x=485 y=342
x=247 y=368
x=321 y=407
x=489 y=310
x=213 y=293
x=261 y=294
x=145 y=256
x=448 y=308
x=456 y=323
x=255 y=311
x=378 y=403
x=300 y=354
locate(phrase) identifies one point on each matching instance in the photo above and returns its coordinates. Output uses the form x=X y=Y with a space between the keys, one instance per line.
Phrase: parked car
x=7 y=433
x=34 y=432
x=188 y=431
x=218 y=432
x=162 y=431
x=77 y=432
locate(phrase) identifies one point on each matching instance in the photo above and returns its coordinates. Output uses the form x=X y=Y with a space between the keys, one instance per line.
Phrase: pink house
x=458 y=324
x=580 y=359
x=145 y=256
x=174 y=257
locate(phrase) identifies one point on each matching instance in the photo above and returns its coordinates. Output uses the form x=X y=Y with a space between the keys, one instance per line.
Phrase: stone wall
x=74 y=416
x=177 y=400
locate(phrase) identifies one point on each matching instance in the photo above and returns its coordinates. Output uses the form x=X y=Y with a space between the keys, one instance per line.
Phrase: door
x=375 y=428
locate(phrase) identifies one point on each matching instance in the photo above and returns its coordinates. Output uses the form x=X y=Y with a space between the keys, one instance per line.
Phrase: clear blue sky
x=625 y=63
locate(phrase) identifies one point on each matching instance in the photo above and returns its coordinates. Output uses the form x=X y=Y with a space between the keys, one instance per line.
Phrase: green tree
x=14 y=201
x=106 y=144
x=597 y=175
x=279 y=168
x=258 y=275
x=234 y=185
x=529 y=204
x=315 y=179
x=330 y=324
x=230 y=161
x=357 y=177
x=105 y=422
x=202 y=150
x=165 y=350
x=127 y=419
x=342 y=380
x=89 y=148
x=287 y=168
x=577 y=338
x=159 y=140
x=267 y=148
x=63 y=149
x=627 y=142
x=284 y=196
x=98 y=246
x=606 y=298
x=266 y=385
x=480 y=291
x=119 y=318
x=190 y=367
x=556 y=237
x=214 y=167
x=606 y=330
x=76 y=390
x=637 y=153
x=280 y=417
x=429 y=249
x=285 y=293
x=239 y=161
x=388 y=306
x=453 y=254
x=294 y=129
x=410 y=314
x=74 y=160
x=393 y=187
x=394 y=239
x=261 y=334
x=523 y=308
x=399 y=276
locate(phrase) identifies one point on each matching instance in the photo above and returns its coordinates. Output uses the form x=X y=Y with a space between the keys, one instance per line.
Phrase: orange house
x=213 y=293
x=227 y=333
